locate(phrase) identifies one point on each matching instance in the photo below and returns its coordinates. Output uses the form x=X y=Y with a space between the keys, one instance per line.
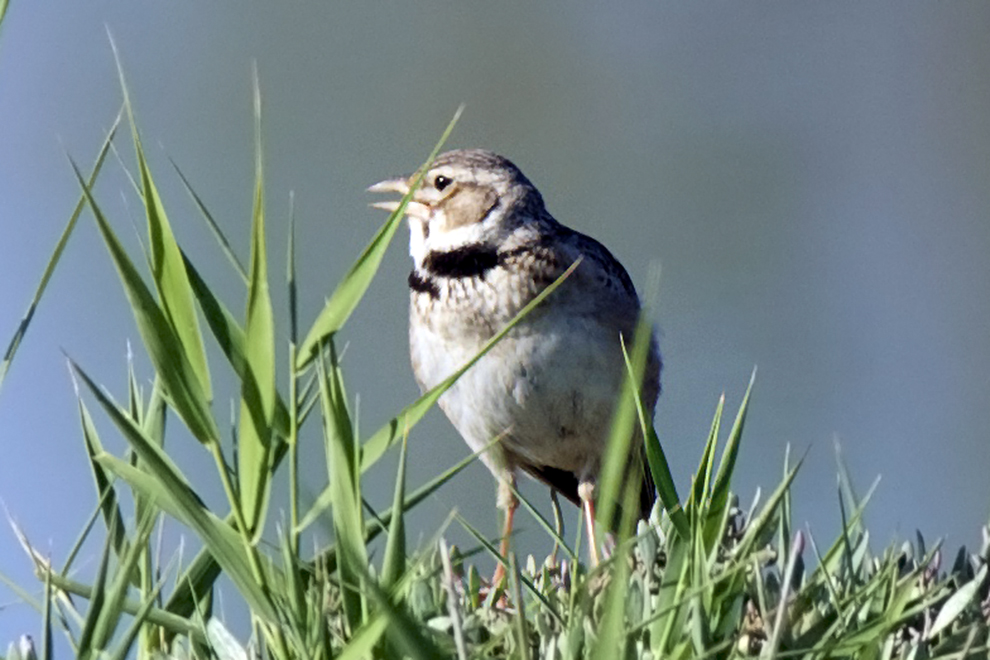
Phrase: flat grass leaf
x=544 y=523
x=230 y=336
x=759 y=527
x=613 y=475
x=612 y=638
x=291 y=281
x=112 y=612
x=164 y=348
x=164 y=484
x=519 y=617
x=195 y=583
x=109 y=507
x=345 y=486
x=363 y=642
x=46 y=620
x=373 y=528
x=664 y=482
x=352 y=288
x=404 y=631
x=699 y=492
x=258 y=383
x=223 y=643
x=168 y=270
x=394 y=559
x=61 y=587
x=726 y=467
x=63 y=240
x=830 y=562
x=88 y=644
x=656 y=462
x=140 y=618
x=531 y=588
x=958 y=602
x=218 y=234
x=221 y=540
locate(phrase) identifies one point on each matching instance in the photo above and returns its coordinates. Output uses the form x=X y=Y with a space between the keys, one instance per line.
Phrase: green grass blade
x=384 y=438
x=168 y=622
x=352 y=288
x=220 y=539
x=544 y=523
x=63 y=240
x=759 y=530
x=519 y=618
x=402 y=630
x=374 y=527
x=140 y=620
x=363 y=642
x=727 y=465
x=663 y=479
x=167 y=353
x=291 y=280
x=784 y=524
x=195 y=583
x=169 y=273
x=670 y=599
x=611 y=640
x=345 y=486
x=258 y=389
x=831 y=561
x=88 y=642
x=218 y=234
x=231 y=338
x=487 y=545
x=394 y=559
x=113 y=519
x=127 y=565
x=47 y=648
x=165 y=485
x=292 y=591
x=656 y=462
x=616 y=459
x=846 y=486
x=698 y=499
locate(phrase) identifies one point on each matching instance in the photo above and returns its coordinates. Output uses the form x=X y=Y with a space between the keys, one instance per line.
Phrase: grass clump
x=703 y=578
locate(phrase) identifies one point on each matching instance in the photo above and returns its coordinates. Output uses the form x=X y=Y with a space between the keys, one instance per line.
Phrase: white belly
x=548 y=388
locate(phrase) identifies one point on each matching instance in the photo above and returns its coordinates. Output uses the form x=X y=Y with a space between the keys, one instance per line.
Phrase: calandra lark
x=483 y=245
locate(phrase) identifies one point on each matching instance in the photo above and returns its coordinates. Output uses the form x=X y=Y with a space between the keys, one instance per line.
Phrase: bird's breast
x=548 y=387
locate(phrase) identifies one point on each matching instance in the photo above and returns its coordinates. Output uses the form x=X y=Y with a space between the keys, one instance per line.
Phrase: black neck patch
x=464 y=262
x=421 y=284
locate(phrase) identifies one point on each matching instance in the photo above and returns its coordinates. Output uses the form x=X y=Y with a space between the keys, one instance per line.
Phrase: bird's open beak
x=414 y=209
x=400 y=186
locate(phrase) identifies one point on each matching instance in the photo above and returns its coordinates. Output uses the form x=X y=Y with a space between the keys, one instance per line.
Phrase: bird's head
x=467 y=197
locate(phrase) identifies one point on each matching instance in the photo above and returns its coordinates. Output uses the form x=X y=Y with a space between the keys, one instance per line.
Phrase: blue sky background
x=811 y=176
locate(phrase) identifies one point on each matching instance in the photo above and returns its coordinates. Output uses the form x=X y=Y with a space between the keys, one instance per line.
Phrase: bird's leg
x=558 y=523
x=507 y=501
x=586 y=490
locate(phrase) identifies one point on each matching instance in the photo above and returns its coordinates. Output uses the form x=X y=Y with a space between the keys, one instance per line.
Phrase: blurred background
x=812 y=177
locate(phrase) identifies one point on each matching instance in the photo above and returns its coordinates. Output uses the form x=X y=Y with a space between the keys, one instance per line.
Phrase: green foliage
x=701 y=578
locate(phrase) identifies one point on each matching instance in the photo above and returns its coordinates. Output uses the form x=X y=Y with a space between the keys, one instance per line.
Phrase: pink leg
x=507 y=500
x=586 y=492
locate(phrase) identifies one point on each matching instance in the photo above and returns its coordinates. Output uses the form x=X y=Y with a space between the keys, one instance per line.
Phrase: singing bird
x=484 y=245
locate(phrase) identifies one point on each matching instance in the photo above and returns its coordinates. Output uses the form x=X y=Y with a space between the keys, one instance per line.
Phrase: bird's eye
x=442 y=182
